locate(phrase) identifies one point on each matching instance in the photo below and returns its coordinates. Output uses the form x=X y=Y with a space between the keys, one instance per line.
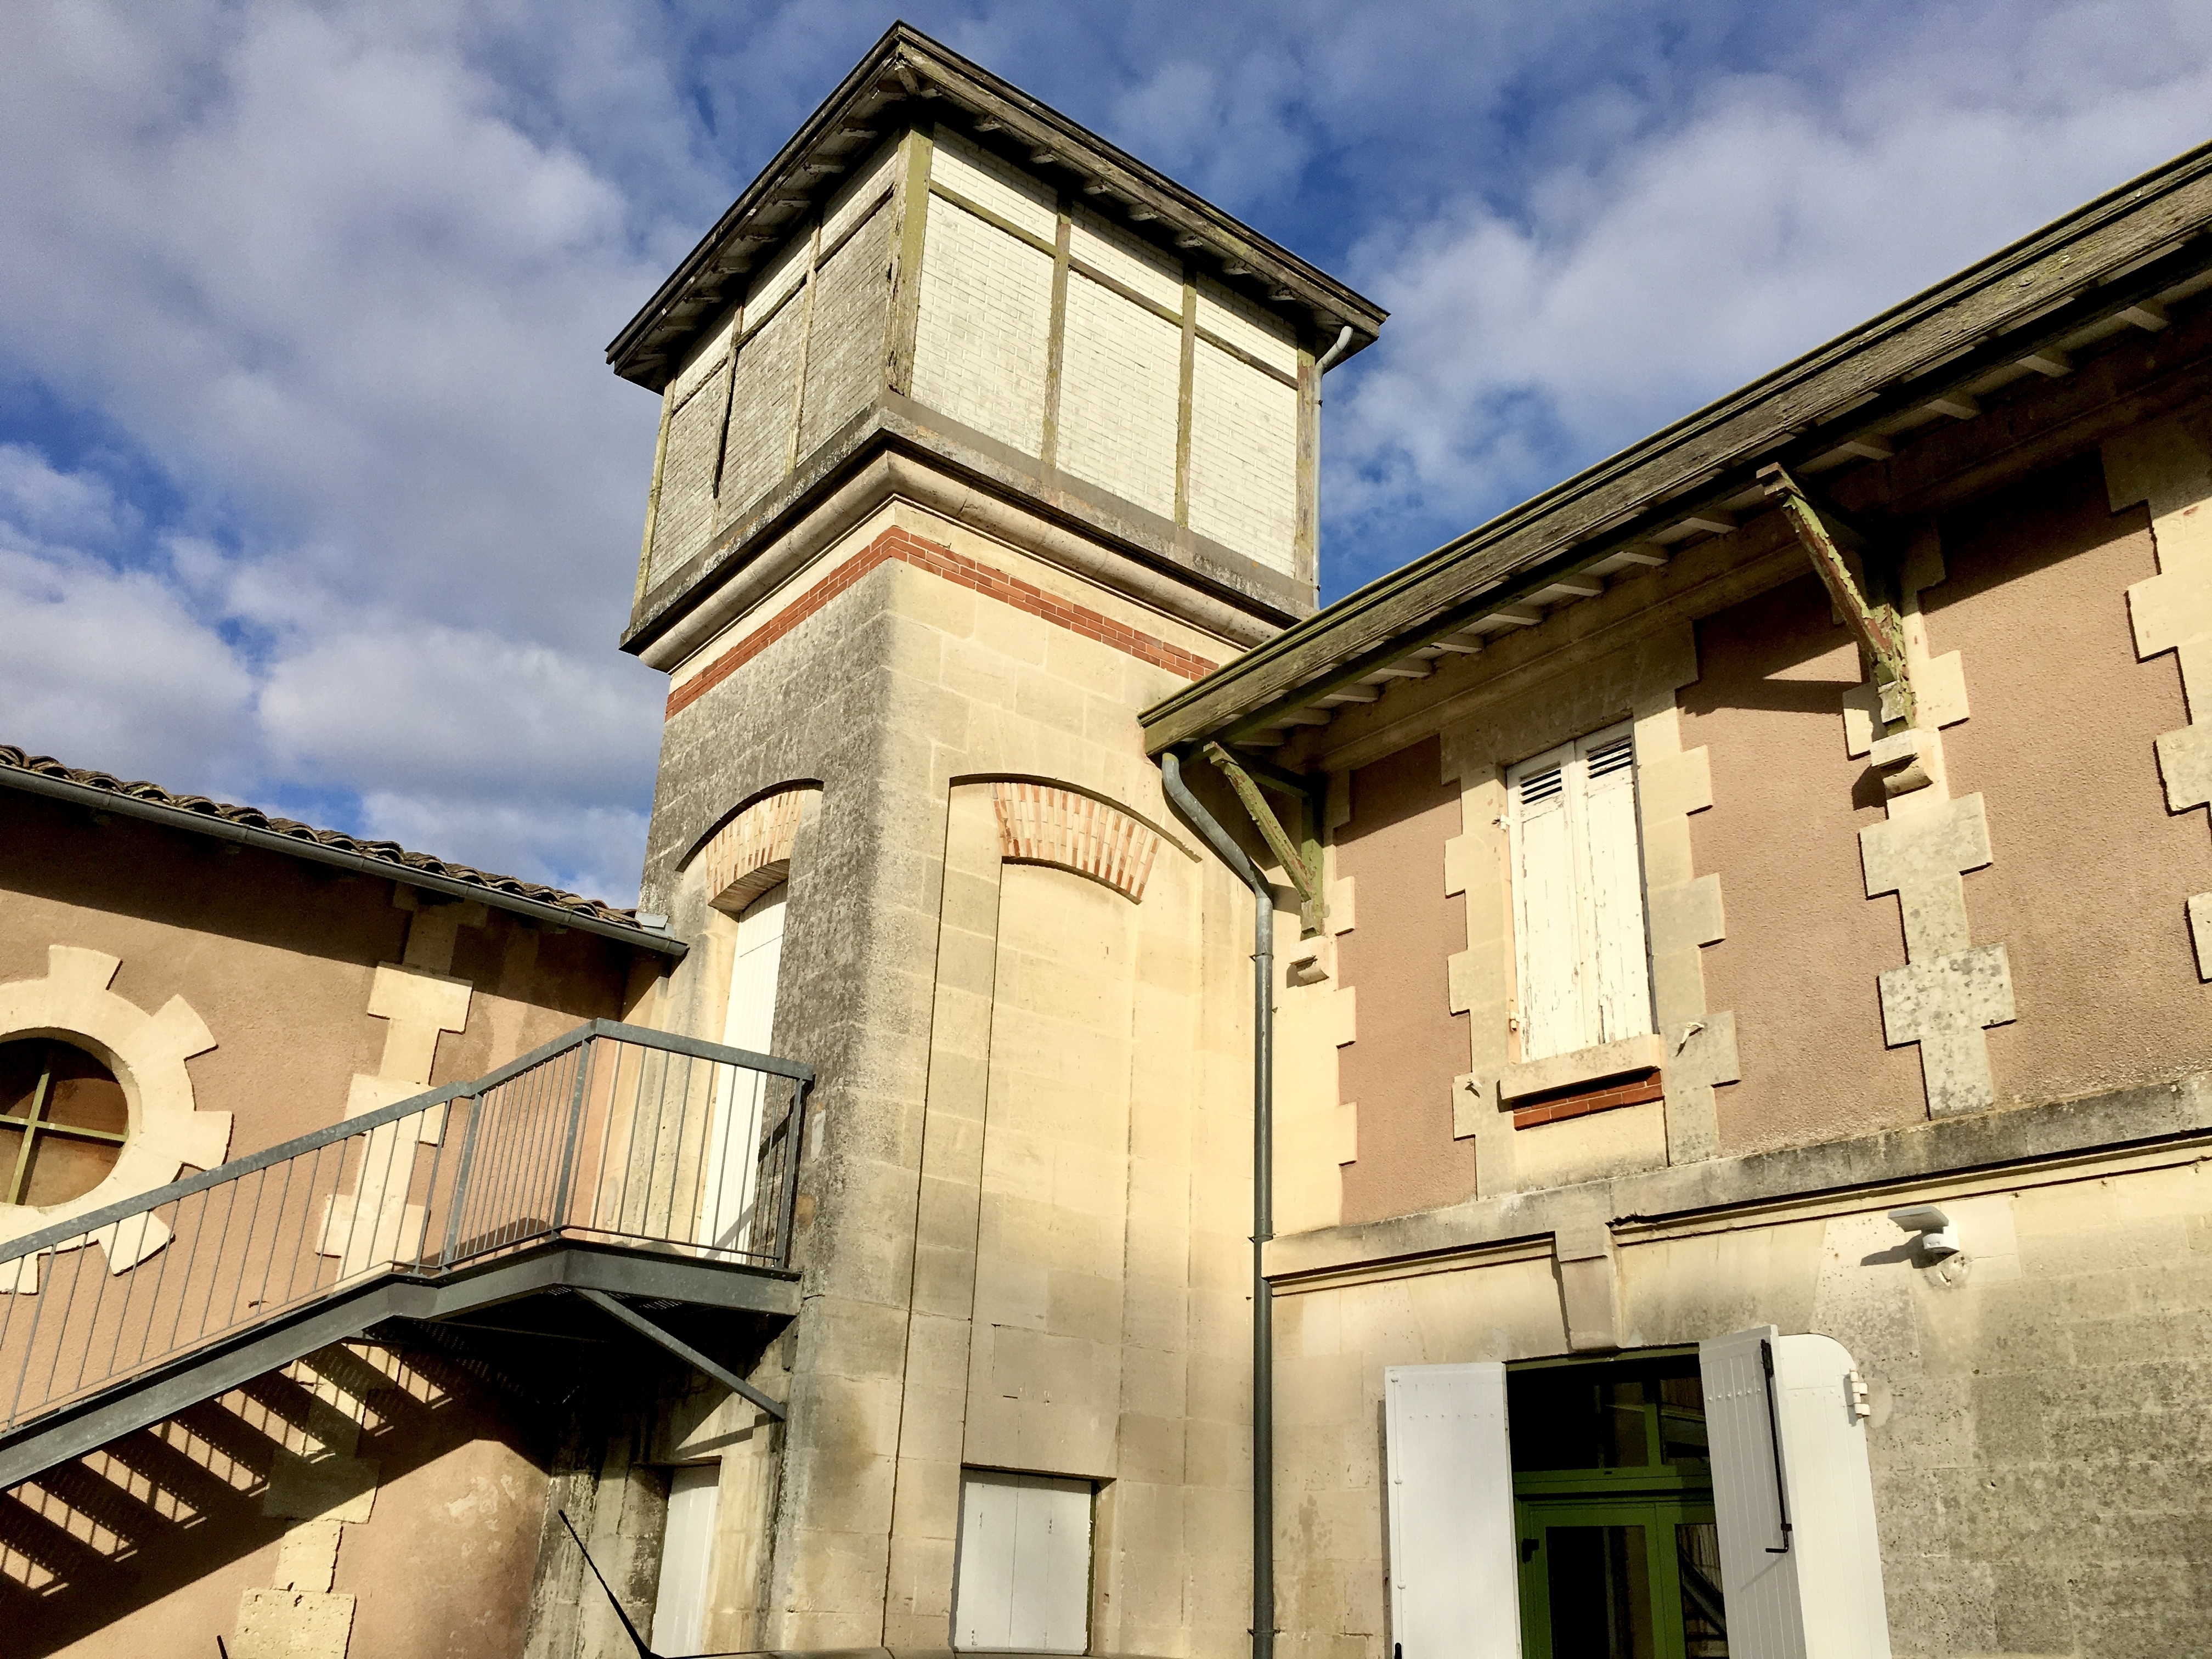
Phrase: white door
x=687 y=1551
x=1455 y=1550
x=1024 y=1574
x=726 y=1209
x=1801 y=1562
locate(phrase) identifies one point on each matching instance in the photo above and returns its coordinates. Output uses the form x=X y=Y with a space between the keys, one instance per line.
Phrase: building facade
x=1698 y=1152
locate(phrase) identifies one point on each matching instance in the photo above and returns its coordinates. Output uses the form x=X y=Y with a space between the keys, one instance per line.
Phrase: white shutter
x=748 y=1023
x=1546 y=905
x=1024 y=1582
x=1455 y=1555
x=1814 y=1590
x=687 y=1553
x=1617 y=1002
x=983 y=1595
x=1052 y=1566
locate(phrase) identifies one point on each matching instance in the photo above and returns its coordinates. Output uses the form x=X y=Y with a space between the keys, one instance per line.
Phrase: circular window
x=63 y=1121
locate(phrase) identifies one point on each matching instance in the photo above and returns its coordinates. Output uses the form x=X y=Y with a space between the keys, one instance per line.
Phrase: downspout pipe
x=1263 y=1194
x=1328 y=360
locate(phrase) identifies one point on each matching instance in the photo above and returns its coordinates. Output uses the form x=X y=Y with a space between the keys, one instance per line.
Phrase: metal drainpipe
x=1263 y=1200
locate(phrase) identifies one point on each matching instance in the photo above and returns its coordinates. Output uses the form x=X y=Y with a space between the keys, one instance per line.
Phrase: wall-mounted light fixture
x=1939 y=1238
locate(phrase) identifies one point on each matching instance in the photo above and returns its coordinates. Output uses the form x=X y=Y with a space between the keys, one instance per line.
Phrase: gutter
x=1263 y=1196
x=176 y=818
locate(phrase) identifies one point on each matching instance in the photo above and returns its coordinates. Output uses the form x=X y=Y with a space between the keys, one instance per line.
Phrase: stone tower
x=978 y=436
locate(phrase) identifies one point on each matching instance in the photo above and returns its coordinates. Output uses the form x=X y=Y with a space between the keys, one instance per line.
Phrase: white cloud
x=444 y=711
x=104 y=667
x=341 y=504
x=1630 y=287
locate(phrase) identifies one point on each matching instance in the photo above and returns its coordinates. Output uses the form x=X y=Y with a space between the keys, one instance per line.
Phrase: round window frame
x=45 y=1127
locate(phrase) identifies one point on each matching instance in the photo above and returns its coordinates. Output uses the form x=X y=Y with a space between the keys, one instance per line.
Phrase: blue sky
x=315 y=491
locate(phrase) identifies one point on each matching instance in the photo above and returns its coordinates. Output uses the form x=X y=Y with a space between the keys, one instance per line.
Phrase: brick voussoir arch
x=750 y=851
x=1045 y=824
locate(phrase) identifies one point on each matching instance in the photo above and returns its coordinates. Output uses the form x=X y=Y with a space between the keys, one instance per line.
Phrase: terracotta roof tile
x=383 y=852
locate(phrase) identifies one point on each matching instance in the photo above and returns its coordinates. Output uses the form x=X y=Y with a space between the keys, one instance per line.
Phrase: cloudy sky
x=315 y=490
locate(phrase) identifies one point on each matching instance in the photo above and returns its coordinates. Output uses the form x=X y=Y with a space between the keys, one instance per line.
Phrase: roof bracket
x=1875 y=625
x=1304 y=864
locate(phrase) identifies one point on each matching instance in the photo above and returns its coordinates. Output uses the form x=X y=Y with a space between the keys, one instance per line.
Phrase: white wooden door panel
x=1545 y=905
x=731 y=1168
x=1455 y=1574
x=686 y=1555
x=1024 y=1574
x=1811 y=1589
x=1619 y=1003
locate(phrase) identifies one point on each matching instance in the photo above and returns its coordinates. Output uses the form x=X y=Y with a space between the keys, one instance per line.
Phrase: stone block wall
x=1028 y=1188
x=2037 y=1437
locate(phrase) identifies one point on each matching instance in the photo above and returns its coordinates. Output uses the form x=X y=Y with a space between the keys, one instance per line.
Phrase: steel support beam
x=683 y=1350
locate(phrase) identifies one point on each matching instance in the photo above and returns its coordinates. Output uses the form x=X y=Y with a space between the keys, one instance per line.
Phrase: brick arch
x=1042 y=823
x=751 y=853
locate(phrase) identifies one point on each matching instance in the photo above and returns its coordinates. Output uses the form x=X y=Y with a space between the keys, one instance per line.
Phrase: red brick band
x=984 y=578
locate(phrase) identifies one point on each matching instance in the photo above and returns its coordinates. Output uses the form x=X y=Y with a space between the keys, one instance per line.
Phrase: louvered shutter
x=1547 y=905
x=1455 y=1575
x=1618 y=989
x=1813 y=1591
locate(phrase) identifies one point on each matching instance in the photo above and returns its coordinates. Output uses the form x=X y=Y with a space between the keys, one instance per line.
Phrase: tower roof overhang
x=908 y=77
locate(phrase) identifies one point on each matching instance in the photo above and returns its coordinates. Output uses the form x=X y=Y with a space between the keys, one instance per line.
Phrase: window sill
x=1581 y=1066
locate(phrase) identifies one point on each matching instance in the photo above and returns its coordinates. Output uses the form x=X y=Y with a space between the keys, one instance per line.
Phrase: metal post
x=461 y=1197
x=794 y=1138
x=560 y=1217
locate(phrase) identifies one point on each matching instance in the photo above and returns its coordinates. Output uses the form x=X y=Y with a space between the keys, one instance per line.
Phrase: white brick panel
x=985 y=327
x=988 y=182
x=1135 y=264
x=1120 y=369
x=857 y=192
x=786 y=270
x=1244 y=459
x=711 y=356
x=686 y=515
x=760 y=411
x=844 y=362
x=1244 y=326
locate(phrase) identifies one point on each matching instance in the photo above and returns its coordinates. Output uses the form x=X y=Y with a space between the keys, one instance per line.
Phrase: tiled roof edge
x=44 y=775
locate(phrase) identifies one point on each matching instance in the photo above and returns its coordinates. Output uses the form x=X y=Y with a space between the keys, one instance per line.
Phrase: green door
x=1620 y=1577
x=1613 y=1492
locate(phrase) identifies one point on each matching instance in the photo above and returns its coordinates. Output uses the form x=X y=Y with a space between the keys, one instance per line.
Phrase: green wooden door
x=1631 y=1576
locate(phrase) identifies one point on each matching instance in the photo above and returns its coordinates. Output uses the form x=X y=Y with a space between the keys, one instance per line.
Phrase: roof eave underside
x=2115 y=254
x=652 y=342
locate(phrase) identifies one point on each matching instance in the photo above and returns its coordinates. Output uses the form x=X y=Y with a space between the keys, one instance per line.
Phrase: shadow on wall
x=91 y=1542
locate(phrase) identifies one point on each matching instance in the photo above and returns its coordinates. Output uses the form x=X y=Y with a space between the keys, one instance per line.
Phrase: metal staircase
x=614 y=1161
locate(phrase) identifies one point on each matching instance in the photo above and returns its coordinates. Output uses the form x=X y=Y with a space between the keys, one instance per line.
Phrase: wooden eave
x=904 y=68
x=2102 y=270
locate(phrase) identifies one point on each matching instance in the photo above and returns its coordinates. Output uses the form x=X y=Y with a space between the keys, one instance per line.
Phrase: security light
x=1938 y=1237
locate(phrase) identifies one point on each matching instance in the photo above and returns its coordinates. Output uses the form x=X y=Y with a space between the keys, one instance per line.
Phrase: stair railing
x=613 y=1133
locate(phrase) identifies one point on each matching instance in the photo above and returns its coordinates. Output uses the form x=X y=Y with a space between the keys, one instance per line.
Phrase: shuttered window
x=1022 y=1582
x=1585 y=977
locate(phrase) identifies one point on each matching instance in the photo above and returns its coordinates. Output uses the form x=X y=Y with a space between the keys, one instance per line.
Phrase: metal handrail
x=612 y=1132
x=644 y=1036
